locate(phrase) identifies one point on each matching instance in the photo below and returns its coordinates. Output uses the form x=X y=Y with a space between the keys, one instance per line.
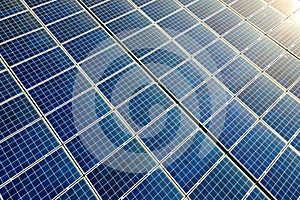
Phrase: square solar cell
x=195 y=39
x=140 y=110
x=10 y=7
x=192 y=160
x=106 y=63
x=184 y=79
x=267 y=19
x=73 y=26
x=111 y=9
x=242 y=36
x=155 y=186
x=17 y=25
x=45 y=180
x=260 y=95
x=258 y=149
x=204 y=9
x=88 y=44
x=264 y=52
x=296 y=49
x=124 y=84
x=42 y=67
x=128 y=24
x=116 y=175
x=296 y=142
x=77 y=114
x=159 y=9
x=225 y=181
x=27 y=46
x=256 y=194
x=1 y=66
x=213 y=57
x=237 y=74
x=24 y=148
x=230 y=123
x=80 y=190
x=246 y=8
x=56 y=10
x=177 y=23
x=58 y=90
x=145 y=41
x=164 y=59
x=284 y=117
x=296 y=89
x=167 y=132
x=282 y=180
x=206 y=100
x=223 y=21
x=286 y=70
x=8 y=86
x=16 y=114
x=95 y=143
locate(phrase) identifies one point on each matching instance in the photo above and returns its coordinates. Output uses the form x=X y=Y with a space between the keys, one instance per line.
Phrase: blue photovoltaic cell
x=260 y=95
x=10 y=7
x=106 y=63
x=17 y=25
x=167 y=132
x=286 y=70
x=58 y=90
x=91 y=146
x=44 y=180
x=16 y=114
x=78 y=114
x=145 y=41
x=155 y=186
x=42 y=67
x=73 y=26
x=192 y=160
x=230 y=123
x=282 y=180
x=258 y=149
x=88 y=44
x=237 y=74
x=296 y=90
x=225 y=181
x=79 y=191
x=140 y=2
x=33 y=3
x=1 y=66
x=124 y=84
x=206 y=100
x=223 y=21
x=185 y=78
x=296 y=142
x=140 y=110
x=177 y=23
x=121 y=171
x=159 y=9
x=24 y=148
x=8 y=86
x=242 y=36
x=89 y=3
x=284 y=117
x=129 y=24
x=263 y=52
x=256 y=194
x=162 y=60
x=195 y=39
x=213 y=57
x=204 y=9
x=56 y=10
x=26 y=46
x=112 y=9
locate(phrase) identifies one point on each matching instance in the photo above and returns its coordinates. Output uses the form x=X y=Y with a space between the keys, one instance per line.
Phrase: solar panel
x=149 y=99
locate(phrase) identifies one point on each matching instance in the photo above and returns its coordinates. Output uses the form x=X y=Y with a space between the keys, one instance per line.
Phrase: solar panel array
x=144 y=99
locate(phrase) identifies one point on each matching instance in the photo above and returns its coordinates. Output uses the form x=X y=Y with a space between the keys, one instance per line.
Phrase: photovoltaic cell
x=296 y=142
x=296 y=89
x=204 y=9
x=10 y=7
x=258 y=149
x=155 y=186
x=8 y=86
x=225 y=181
x=283 y=178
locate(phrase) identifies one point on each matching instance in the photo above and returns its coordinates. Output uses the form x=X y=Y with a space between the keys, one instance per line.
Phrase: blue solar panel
x=149 y=99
